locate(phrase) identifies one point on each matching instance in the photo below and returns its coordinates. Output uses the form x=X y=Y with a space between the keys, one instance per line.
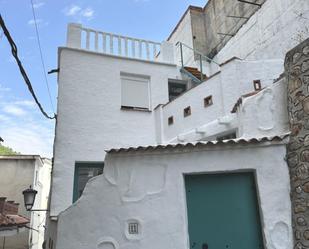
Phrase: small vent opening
x=133 y=228
x=208 y=101
x=170 y=120
x=187 y=111
x=257 y=85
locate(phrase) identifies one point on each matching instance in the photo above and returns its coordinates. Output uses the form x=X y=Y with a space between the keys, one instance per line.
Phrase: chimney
x=8 y=207
x=2 y=202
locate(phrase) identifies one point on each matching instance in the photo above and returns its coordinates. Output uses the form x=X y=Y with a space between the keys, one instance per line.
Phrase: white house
x=161 y=106
x=17 y=173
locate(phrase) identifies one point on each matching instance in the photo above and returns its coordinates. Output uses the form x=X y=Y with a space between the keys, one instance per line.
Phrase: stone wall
x=199 y=27
x=217 y=20
x=297 y=73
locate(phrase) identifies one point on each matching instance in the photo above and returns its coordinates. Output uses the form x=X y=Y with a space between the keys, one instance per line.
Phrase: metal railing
x=193 y=56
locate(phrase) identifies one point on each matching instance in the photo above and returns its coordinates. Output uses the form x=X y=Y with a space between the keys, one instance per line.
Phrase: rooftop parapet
x=118 y=45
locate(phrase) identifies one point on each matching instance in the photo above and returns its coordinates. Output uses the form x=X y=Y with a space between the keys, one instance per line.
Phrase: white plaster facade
x=90 y=114
x=91 y=119
x=235 y=79
x=148 y=186
x=17 y=173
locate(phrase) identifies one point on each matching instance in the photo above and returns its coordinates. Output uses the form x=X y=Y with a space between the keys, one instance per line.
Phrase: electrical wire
x=41 y=54
x=21 y=68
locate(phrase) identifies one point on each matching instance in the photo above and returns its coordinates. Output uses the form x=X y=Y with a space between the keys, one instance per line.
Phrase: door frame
x=258 y=196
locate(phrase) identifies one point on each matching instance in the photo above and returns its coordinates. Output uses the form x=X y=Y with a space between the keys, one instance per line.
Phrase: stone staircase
x=196 y=73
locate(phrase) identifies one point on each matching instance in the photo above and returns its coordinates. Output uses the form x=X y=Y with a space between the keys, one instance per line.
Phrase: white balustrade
x=119 y=45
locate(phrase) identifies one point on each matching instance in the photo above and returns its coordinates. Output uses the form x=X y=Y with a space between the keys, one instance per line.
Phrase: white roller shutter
x=135 y=92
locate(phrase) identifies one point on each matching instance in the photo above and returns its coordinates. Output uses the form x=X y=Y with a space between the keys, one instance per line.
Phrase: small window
x=208 y=101
x=170 y=120
x=187 y=111
x=133 y=228
x=84 y=172
x=176 y=88
x=257 y=85
x=135 y=92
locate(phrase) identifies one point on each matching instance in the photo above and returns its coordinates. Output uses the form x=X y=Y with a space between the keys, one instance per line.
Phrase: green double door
x=223 y=211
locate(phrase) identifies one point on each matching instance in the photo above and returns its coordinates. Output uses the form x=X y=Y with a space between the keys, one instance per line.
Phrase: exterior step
x=196 y=73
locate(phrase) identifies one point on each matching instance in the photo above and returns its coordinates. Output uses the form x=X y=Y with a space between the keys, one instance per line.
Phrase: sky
x=22 y=126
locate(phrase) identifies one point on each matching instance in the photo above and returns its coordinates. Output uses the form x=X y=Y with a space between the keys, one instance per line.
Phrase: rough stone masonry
x=297 y=73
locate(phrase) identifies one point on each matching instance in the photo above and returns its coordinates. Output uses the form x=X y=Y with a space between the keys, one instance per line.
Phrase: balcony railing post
x=127 y=46
x=181 y=54
x=96 y=40
x=133 y=48
x=74 y=35
x=201 y=67
x=87 y=39
x=104 y=42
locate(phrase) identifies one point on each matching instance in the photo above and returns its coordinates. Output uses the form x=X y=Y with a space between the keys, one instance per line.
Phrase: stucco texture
x=90 y=118
x=148 y=188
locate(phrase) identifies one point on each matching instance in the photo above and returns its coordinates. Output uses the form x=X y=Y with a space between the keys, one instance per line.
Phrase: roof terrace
x=118 y=45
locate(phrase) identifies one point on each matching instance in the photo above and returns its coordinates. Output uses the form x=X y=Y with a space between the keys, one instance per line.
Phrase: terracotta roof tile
x=278 y=138
x=13 y=220
x=9 y=217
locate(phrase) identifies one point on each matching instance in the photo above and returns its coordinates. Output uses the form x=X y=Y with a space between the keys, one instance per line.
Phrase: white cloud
x=77 y=11
x=22 y=126
x=38 y=5
x=25 y=103
x=4 y=89
x=39 y=22
x=14 y=110
x=73 y=10
x=4 y=118
x=88 y=12
x=32 y=21
x=29 y=138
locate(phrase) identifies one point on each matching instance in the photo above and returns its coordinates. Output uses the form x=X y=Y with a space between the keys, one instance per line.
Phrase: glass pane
x=84 y=174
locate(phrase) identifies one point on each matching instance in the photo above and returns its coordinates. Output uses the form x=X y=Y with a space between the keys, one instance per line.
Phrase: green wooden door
x=223 y=211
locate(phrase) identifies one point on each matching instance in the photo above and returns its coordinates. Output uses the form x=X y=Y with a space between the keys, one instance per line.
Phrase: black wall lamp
x=29 y=199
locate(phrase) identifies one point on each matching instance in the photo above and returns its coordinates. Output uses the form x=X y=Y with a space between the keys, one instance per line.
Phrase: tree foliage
x=7 y=151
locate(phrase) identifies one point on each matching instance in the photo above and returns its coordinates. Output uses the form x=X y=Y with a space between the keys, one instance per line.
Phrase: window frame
x=176 y=83
x=85 y=165
x=145 y=79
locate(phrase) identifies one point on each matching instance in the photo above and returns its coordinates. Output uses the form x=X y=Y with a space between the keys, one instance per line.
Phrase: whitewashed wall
x=89 y=115
x=271 y=32
x=235 y=79
x=184 y=34
x=265 y=113
x=148 y=187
